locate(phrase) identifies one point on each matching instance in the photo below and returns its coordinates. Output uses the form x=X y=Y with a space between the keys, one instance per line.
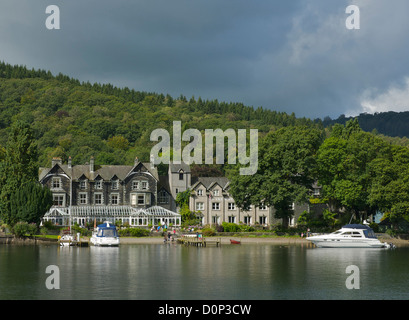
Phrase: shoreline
x=224 y=240
x=279 y=240
x=253 y=240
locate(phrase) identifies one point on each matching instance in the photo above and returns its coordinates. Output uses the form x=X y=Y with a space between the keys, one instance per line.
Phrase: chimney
x=91 y=164
x=56 y=160
x=69 y=162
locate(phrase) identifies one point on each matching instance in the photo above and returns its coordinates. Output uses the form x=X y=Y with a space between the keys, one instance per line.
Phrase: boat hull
x=234 y=242
x=105 y=242
x=336 y=243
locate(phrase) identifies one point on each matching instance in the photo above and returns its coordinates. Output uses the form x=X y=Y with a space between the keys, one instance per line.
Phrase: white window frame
x=115 y=185
x=231 y=206
x=199 y=206
x=83 y=184
x=101 y=199
x=81 y=200
x=98 y=184
x=116 y=197
x=215 y=205
x=56 y=183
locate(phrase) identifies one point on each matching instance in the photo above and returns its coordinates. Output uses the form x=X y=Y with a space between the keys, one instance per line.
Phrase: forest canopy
x=70 y=118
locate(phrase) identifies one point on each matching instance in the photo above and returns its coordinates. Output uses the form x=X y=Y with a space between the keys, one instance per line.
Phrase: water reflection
x=248 y=271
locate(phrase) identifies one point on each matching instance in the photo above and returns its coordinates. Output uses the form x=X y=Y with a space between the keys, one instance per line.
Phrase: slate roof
x=106 y=172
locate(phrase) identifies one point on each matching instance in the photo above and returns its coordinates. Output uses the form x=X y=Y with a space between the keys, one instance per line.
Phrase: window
x=231 y=206
x=114 y=199
x=144 y=185
x=216 y=193
x=200 y=192
x=180 y=175
x=247 y=220
x=58 y=200
x=133 y=199
x=98 y=198
x=215 y=219
x=232 y=219
x=83 y=199
x=98 y=184
x=177 y=190
x=56 y=183
x=216 y=206
x=135 y=185
x=83 y=184
x=163 y=197
x=141 y=199
x=199 y=206
x=262 y=220
x=263 y=207
x=115 y=185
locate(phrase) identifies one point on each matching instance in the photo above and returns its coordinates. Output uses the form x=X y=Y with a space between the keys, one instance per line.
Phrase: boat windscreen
x=107 y=233
x=369 y=233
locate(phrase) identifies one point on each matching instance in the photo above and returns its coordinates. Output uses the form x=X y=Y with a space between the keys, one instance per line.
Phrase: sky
x=288 y=55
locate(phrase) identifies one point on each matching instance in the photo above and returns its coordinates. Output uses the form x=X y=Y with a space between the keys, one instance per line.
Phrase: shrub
x=133 y=232
x=20 y=229
x=208 y=232
x=230 y=227
x=84 y=232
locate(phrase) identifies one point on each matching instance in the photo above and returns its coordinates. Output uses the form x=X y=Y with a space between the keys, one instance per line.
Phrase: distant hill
x=393 y=124
x=78 y=119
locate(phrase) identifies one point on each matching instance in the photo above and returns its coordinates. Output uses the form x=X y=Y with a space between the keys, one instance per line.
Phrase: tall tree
x=344 y=167
x=30 y=202
x=18 y=168
x=285 y=172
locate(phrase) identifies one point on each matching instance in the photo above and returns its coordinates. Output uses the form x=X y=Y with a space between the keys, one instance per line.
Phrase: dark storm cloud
x=293 y=56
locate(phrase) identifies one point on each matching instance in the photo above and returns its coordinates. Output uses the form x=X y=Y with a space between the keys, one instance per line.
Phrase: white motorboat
x=67 y=240
x=349 y=236
x=105 y=235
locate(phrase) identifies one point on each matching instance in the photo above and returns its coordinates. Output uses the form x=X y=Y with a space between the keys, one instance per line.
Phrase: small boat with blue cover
x=106 y=235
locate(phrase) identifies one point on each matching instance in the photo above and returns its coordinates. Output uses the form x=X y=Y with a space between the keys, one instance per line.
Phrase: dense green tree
x=30 y=202
x=18 y=168
x=285 y=173
x=344 y=167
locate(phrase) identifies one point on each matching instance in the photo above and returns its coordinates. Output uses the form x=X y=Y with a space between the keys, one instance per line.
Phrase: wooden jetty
x=190 y=240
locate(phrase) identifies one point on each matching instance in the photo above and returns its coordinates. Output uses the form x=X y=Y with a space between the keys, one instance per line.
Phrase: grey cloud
x=293 y=56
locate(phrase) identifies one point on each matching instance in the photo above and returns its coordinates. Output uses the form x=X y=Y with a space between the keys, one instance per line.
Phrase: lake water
x=229 y=272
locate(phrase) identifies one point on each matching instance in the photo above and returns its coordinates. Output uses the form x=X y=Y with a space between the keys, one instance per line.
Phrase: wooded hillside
x=81 y=120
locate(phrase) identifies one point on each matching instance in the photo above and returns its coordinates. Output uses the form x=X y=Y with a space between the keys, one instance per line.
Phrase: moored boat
x=234 y=241
x=106 y=235
x=349 y=236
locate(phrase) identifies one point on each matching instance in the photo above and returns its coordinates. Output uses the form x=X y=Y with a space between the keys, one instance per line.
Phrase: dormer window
x=98 y=184
x=115 y=185
x=216 y=193
x=56 y=183
x=135 y=185
x=83 y=184
x=200 y=192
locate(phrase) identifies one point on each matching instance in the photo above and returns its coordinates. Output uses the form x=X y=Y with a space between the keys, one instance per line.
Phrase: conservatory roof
x=111 y=211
